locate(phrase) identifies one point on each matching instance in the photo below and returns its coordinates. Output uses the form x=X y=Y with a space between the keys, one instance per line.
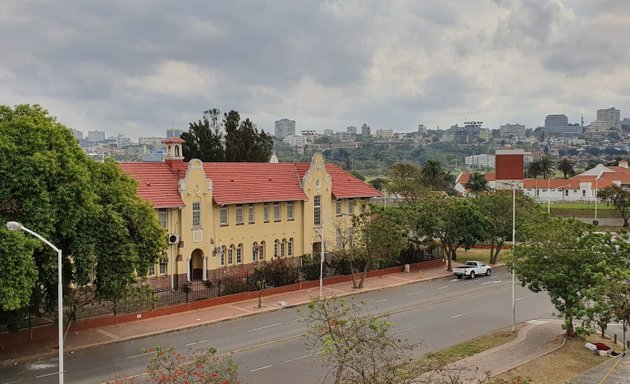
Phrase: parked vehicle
x=472 y=269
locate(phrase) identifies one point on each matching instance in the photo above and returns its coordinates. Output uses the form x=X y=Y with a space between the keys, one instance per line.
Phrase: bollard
x=615 y=339
x=421 y=274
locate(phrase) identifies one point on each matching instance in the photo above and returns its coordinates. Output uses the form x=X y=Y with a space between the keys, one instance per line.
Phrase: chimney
x=623 y=163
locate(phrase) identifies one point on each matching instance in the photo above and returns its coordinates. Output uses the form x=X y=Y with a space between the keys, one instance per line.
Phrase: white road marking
x=300 y=319
x=490 y=282
x=13 y=382
x=261 y=368
x=196 y=342
x=381 y=300
x=466 y=313
x=446 y=286
x=524 y=297
x=140 y=355
x=415 y=293
x=455 y=279
x=264 y=327
x=403 y=330
x=298 y=358
x=48 y=374
x=537 y=322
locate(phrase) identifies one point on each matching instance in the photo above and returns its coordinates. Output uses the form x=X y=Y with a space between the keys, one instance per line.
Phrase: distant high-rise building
x=351 y=130
x=516 y=130
x=77 y=134
x=557 y=125
x=173 y=132
x=422 y=129
x=328 y=132
x=385 y=133
x=284 y=128
x=365 y=130
x=96 y=136
x=611 y=116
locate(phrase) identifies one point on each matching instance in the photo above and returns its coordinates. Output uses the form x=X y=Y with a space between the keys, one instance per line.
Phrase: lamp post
x=15 y=226
x=513 y=244
x=321 y=261
x=595 y=222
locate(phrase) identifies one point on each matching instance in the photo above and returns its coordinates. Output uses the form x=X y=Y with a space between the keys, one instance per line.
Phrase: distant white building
x=351 y=130
x=77 y=134
x=384 y=133
x=611 y=116
x=173 y=132
x=153 y=141
x=329 y=132
x=295 y=141
x=516 y=130
x=96 y=136
x=482 y=161
x=422 y=129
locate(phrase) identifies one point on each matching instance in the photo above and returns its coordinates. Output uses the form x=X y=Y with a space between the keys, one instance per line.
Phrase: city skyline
x=138 y=70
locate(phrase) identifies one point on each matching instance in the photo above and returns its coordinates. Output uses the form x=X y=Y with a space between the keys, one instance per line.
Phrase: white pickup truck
x=472 y=269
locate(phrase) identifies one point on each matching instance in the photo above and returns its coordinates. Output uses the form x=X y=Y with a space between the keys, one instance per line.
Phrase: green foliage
x=276 y=273
x=619 y=198
x=406 y=181
x=18 y=270
x=477 y=183
x=243 y=141
x=340 y=263
x=89 y=210
x=235 y=284
x=311 y=267
x=379 y=183
x=565 y=259
x=566 y=167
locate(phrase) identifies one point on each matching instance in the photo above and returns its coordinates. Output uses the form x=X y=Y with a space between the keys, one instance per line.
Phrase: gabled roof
x=157 y=183
x=235 y=183
x=465 y=176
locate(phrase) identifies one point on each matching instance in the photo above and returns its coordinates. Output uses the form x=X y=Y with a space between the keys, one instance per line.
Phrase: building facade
x=366 y=130
x=284 y=128
x=226 y=218
x=611 y=117
x=96 y=136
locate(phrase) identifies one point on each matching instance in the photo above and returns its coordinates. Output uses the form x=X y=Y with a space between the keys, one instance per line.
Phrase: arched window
x=276 y=246
x=290 y=247
x=254 y=251
x=239 y=254
x=283 y=247
x=177 y=151
x=230 y=258
x=262 y=250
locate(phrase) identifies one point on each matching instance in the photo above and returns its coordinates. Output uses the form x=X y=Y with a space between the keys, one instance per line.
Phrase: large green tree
x=619 y=198
x=405 y=180
x=566 y=167
x=477 y=183
x=230 y=139
x=453 y=221
x=565 y=259
x=203 y=140
x=89 y=210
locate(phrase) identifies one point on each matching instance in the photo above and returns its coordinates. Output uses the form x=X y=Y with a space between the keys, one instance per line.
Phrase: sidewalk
x=18 y=347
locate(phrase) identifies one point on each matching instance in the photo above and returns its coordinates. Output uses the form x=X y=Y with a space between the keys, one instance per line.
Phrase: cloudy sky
x=135 y=67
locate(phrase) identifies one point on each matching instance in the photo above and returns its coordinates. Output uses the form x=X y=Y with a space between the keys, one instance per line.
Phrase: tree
x=619 y=198
x=453 y=221
x=406 y=181
x=354 y=346
x=533 y=169
x=381 y=238
x=497 y=207
x=546 y=167
x=228 y=140
x=566 y=167
x=243 y=142
x=379 y=183
x=563 y=258
x=89 y=210
x=477 y=183
x=167 y=366
x=203 y=140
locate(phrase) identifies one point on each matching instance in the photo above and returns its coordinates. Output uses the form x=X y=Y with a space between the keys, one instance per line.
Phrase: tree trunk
x=338 y=374
x=449 y=265
x=492 y=245
x=568 y=323
x=354 y=280
x=364 y=274
x=494 y=259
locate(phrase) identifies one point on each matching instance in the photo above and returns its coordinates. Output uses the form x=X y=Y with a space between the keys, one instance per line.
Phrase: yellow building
x=224 y=218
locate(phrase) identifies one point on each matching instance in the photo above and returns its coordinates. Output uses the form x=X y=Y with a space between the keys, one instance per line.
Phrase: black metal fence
x=142 y=299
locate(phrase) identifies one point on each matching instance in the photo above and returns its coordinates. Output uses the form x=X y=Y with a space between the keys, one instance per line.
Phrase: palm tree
x=431 y=173
x=566 y=167
x=477 y=183
x=546 y=167
x=533 y=169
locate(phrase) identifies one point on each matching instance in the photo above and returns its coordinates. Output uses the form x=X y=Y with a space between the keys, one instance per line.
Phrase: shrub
x=234 y=284
x=275 y=273
x=311 y=267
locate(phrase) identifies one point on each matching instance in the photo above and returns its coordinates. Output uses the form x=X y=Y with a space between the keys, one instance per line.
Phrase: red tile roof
x=235 y=183
x=157 y=183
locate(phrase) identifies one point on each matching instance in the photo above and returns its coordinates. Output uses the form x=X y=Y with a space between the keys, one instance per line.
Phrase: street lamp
x=513 y=244
x=596 y=190
x=15 y=226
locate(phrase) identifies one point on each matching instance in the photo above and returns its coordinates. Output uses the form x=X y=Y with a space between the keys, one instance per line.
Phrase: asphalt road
x=269 y=347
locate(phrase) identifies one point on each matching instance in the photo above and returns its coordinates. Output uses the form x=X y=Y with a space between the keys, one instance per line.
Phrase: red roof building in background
x=225 y=218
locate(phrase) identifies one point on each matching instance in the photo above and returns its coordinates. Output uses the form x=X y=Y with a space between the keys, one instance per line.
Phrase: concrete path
x=616 y=370
x=535 y=339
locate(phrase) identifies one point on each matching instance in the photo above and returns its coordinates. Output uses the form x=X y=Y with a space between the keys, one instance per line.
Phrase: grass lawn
x=559 y=366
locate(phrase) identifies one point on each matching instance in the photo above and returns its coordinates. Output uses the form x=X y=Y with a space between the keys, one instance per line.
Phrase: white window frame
x=230 y=257
x=290 y=247
x=277 y=212
x=239 y=214
x=262 y=248
x=163 y=217
x=252 y=218
x=351 y=206
x=290 y=210
x=239 y=254
x=196 y=214
x=224 y=215
x=339 y=204
x=317 y=210
x=266 y=212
